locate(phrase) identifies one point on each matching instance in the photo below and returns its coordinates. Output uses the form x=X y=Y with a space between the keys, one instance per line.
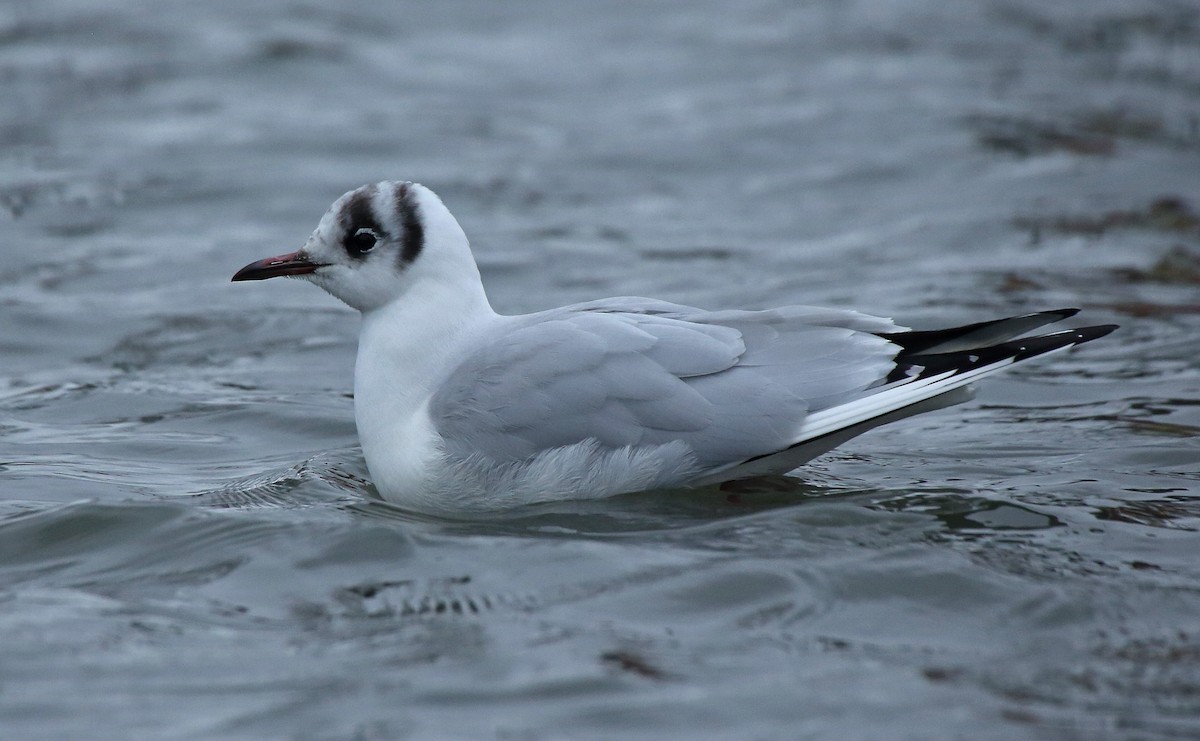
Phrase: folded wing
x=747 y=392
x=636 y=372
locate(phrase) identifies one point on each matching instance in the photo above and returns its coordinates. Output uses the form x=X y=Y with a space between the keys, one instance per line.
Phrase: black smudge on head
x=413 y=238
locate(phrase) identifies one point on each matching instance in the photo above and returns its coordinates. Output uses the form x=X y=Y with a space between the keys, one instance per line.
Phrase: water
x=188 y=549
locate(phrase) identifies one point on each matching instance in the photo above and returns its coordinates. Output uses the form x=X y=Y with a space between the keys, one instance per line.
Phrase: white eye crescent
x=361 y=242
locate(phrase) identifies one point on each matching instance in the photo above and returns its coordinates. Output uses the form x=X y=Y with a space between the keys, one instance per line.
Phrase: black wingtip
x=1018 y=350
x=980 y=335
x=1087 y=334
x=1061 y=313
x=1033 y=346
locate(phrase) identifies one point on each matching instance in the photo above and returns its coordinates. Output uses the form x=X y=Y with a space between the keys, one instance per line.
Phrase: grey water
x=189 y=545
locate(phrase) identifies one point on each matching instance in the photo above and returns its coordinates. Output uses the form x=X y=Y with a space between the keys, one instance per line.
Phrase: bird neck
x=405 y=344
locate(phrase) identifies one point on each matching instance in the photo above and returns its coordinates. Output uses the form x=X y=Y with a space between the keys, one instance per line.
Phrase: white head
x=375 y=243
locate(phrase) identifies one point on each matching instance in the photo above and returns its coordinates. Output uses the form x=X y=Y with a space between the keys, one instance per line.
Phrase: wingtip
x=1062 y=313
x=1087 y=334
x=1051 y=315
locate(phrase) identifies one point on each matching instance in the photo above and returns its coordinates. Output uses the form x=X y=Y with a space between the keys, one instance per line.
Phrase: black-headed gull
x=459 y=407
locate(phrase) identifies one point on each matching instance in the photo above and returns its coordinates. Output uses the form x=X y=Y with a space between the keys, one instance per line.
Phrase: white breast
x=405 y=351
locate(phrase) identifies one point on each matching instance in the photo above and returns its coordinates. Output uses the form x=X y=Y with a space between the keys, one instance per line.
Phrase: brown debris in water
x=1166 y=213
x=633 y=663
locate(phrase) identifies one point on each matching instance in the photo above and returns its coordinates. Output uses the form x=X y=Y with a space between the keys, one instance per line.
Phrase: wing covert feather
x=634 y=372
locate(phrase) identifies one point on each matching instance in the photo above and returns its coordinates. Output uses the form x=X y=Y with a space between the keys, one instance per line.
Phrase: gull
x=461 y=408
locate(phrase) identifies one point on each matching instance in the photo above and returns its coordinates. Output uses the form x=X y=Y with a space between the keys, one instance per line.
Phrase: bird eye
x=361 y=242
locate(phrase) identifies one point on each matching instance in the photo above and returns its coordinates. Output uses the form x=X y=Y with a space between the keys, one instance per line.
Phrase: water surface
x=188 y=545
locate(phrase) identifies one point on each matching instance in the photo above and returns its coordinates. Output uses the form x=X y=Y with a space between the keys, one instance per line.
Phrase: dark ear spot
x=413 y=239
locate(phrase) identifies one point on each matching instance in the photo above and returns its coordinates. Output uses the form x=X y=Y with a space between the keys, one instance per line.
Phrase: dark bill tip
x=289 y=264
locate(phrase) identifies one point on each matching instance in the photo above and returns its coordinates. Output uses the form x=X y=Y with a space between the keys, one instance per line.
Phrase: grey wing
x=636 y=372
x=825 y=356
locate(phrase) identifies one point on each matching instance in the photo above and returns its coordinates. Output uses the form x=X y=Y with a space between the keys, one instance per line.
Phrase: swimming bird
x=461 y=408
